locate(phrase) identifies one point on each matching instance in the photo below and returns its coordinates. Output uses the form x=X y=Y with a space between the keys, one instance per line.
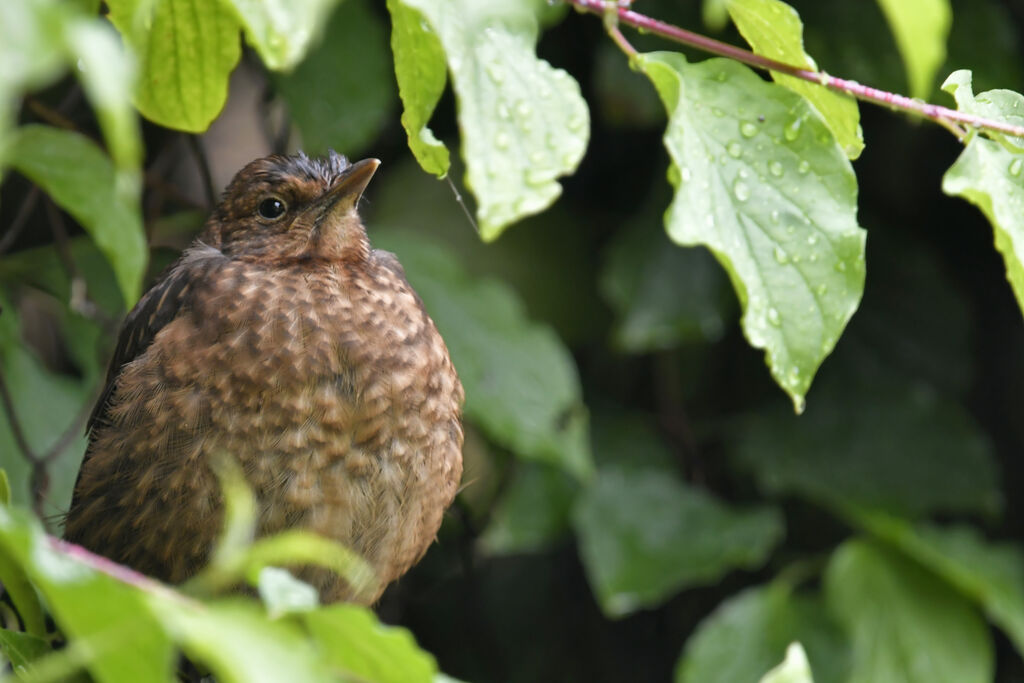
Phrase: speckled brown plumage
x=290 y=344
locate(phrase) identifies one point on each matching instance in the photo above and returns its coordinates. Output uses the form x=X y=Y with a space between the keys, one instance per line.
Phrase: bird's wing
x=168 y=298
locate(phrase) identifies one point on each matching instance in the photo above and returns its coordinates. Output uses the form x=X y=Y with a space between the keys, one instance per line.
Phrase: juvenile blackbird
x=281 y=338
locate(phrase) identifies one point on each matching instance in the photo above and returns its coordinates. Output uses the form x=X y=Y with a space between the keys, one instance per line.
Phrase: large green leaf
x=761 y=182
x=524 y=123
x=989 y=175
x=748 y=633
x=124 y=641
x=644 y=536
x=77 y=175
x=521 y=382
x=357 y=645
x=186 y=50
x=921 y=28
x=904 y=623
x=281 y=31
x=532 y=512
x=990 y=574
x=341 y=96
x=875 y=441
x=774 y=30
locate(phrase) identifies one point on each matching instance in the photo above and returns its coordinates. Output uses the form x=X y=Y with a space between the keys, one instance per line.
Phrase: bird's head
x=288 y=208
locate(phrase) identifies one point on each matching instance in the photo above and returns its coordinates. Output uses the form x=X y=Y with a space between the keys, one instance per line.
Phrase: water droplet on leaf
x=748 y=130
x=741 y=190
x=776 y=169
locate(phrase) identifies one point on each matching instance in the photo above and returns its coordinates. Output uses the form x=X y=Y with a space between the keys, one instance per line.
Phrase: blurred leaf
x=354 y=642
x=125 y=641
x=45 y=404
x=18 y=588
x=990 y=574
x=521 y=382
x=21 y=649
x=282 y=593
x=984 y=35
x=187 y=49
x=988 y=175
x=108 y=75
x=623 y=96
x=664 y=295
x=76 y=174
x=341 y=96
x=238 y=644
x=280 y=31
x=421 y=75
x=524 y=123
x=793 y=669
x=774 y=200
x=905 y=624
x=876 y=441
x=921 y=28
x=749 y=632
x=643 y=537
x=532 y=512
x=5 y=488
x=774 y=30
x=715 y=14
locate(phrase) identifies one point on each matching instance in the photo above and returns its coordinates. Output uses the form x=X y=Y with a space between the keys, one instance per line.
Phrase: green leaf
x=774 y=30
x=664 y=295
x=749 y=632
x=23 y=595
x=521 y=383
x=793 y=669
x=342 y=108
x=124 y=641
x=186 y=49
x=990 y=574
x=876 y=441
x=761 y=182
x=281 y=31
x=421 y=75
x=282 y=593
x=524 y=123
x=5 y=488
x=355 y=643
x=239 y=644
x=76 y=174
x=988 y=175
x=921 y=28
x=107 y=74
x=904 y=623
x=21 y=649
x=532 y=512
x=643 y=537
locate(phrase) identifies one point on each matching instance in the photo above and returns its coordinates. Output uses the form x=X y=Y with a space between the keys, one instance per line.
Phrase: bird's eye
x=271 y=208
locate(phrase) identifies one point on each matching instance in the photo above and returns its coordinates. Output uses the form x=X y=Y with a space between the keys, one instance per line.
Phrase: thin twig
x=50 y=115
x=14 y=422
x=462 y=203
x=933 y=112
x=196 y=145
x=20 y=219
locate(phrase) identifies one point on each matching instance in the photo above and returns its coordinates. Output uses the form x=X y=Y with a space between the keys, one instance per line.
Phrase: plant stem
x=944 y=116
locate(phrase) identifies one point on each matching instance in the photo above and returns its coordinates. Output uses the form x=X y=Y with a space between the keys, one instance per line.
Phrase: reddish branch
x=620 y=12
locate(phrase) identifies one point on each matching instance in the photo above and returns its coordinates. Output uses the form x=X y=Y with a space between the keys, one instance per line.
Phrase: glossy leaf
x=749 y=633
x=281 y=31
x=521 y=383
x=643 y=537
x=990 y=574
x=186 y=50
x=76 y=174
x=921 y=28
x=774 y=30
x=354 y=642
x=523 y=123
x=904 y=623
x=990 y=176
x=341 y=96
x=761 y=182
x=875 y=441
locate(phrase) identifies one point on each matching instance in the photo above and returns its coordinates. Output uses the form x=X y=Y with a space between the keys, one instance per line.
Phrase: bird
x=282 y=339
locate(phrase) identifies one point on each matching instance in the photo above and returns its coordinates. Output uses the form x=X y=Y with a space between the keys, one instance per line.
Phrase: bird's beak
x=349 y=187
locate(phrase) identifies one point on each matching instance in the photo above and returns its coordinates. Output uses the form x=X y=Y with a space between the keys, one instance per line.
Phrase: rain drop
x=734 y=149
x=685 y=174
x=841 y=266
x=1015 y=167
x=576 y=122
x=495 y=72
x=804 y=167
x=781 y=257
x=776 y=169
x=748 y=130
x=793 y=129
x=503 y=111
x=523 y=108
x=821 y=289
x=717 y=112
x=775 y=216
x=536 y=176
x=741 y=190
x=502 y=140
x=812 y=239
x=773 y=317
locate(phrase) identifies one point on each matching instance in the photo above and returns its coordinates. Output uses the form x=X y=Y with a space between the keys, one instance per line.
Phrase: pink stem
x=853 y=88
